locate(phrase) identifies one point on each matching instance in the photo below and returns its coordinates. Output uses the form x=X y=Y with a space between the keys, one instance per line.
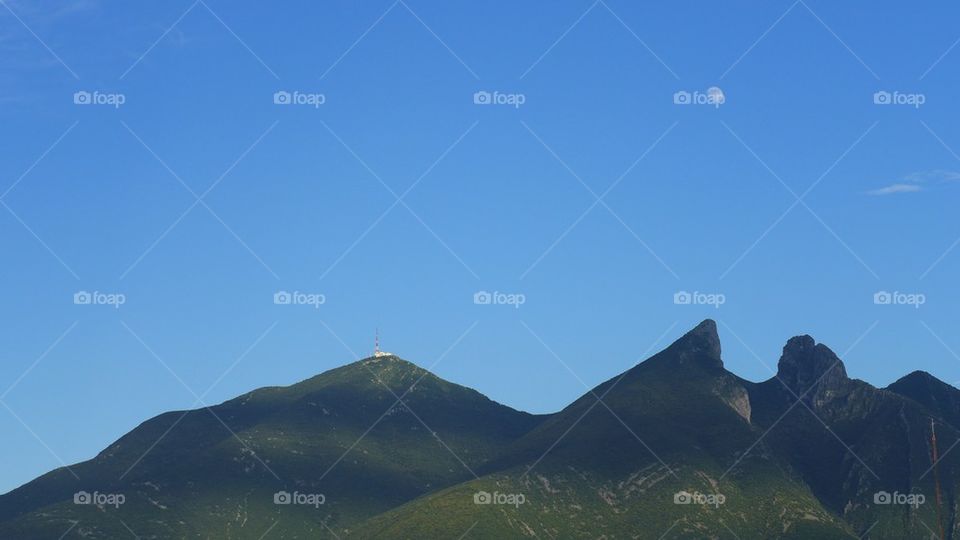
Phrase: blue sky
x=797 y=199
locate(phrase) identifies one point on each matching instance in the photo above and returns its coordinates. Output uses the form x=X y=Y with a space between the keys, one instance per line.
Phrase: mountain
x=214 y=473
x=809 y=453
x=675 y=447
x=671 y=425
x=938 y=397
x=849 y=441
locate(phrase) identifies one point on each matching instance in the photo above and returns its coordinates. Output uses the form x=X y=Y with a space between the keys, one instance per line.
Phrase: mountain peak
x=707 y=327
x=387 y=359
x=918 y=375
x=701 y=345
x=920 y=382
x=934 y=394
x=382 y=356
x=376 y=371
x=806 y=363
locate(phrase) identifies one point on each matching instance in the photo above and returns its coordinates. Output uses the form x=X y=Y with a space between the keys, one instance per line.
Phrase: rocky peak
x=805 y=363
x=700 y=345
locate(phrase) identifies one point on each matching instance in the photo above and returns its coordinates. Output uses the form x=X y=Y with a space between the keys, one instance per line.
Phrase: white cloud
x=918 y=181
x=937 y=175
x=895 y=188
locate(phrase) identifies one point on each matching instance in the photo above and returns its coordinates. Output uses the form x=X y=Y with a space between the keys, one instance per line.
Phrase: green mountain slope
x=201 y=481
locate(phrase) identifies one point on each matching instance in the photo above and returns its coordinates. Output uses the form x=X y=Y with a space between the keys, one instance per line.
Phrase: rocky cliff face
x=700 y=346
x=811 y=371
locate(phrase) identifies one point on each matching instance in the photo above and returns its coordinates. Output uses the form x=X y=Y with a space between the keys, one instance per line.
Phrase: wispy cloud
x=937 y=175
x=33 y=26
x=918 y=181
x=49 y=10
x=895 y=188
x=69 y=8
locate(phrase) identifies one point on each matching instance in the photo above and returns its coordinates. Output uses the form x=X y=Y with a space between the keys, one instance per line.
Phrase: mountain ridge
x=397 y=451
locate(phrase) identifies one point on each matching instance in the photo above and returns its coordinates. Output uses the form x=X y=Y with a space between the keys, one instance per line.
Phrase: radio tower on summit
x=377 y=353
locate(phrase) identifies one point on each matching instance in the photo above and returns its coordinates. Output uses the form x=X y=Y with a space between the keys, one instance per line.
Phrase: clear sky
x=797 y=198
